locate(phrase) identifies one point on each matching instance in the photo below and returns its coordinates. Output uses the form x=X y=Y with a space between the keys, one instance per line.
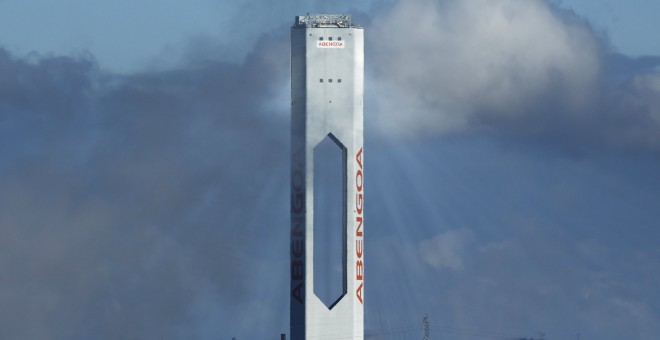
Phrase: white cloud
x=446 y=250
x=449 y=61
x=649 y=87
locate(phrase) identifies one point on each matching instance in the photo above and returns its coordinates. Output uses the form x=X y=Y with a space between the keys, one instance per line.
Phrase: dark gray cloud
x=130 y=205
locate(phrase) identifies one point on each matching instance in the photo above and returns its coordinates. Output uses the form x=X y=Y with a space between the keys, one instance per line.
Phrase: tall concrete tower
x=327 y=86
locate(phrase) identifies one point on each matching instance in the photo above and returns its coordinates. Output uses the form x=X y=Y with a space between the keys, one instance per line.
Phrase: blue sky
x=511 y=161
x=629 y=25
x=131 y=35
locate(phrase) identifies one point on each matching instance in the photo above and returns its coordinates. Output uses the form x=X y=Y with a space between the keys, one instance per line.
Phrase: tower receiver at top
x=324 y=20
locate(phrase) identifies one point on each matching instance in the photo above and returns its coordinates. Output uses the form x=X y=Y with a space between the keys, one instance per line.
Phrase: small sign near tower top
x=329 y=44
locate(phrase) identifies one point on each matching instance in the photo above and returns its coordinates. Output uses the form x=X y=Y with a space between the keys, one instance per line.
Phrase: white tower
x=327 y=85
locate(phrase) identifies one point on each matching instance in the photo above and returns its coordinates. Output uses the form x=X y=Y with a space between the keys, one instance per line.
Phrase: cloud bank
x=129 y=203
x=524 y=68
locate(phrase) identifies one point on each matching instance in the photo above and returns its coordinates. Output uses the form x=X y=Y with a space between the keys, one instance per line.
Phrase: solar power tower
x=327 y=86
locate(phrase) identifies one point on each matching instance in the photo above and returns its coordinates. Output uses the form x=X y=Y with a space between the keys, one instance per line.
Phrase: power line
x=425 y=323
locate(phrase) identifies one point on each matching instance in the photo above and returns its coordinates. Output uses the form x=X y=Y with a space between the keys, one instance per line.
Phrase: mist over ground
x=511 y=164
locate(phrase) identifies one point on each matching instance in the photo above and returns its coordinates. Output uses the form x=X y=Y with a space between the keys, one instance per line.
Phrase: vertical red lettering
x=358 y=229
x=359 y=246
x=358 y=157
x=358 y=203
